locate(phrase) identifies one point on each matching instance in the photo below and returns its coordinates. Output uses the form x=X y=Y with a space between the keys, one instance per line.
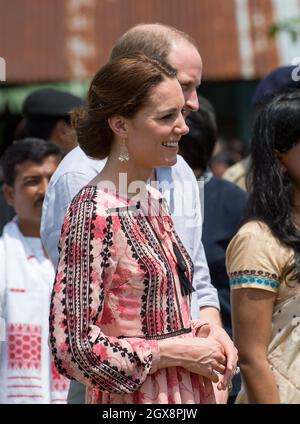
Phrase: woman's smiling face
x=154 y=132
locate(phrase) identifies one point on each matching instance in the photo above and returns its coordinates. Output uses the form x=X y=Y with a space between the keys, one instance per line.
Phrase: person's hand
x=221 y=396
x=219 y=334
x=206 y=358
x=199 y=355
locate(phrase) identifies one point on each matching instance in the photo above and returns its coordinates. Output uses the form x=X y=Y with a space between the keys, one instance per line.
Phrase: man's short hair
x=153 y=40
x=27 y=149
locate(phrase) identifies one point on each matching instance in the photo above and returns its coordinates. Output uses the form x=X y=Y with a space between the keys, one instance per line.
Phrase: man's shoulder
x=227 y=188
x=237 y=172
x=10 y=230
x=77 y=162
x=182 y=165
x=181 y=170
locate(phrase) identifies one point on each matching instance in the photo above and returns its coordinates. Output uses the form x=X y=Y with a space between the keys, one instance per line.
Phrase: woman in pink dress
x=120 y=312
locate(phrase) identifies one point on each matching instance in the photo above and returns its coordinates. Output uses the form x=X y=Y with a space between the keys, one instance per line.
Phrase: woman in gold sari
x=263 y=260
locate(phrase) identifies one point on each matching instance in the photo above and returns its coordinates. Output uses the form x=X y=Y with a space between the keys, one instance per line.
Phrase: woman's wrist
x=197 y=325
x=155 y=356
x=169 y=353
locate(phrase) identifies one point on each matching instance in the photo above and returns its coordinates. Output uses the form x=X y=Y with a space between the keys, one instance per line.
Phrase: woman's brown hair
x=121 y=87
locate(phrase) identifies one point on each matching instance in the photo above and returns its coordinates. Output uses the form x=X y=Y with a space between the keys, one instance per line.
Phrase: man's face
x=186 y=59
x=28 y=191
x=64 y=136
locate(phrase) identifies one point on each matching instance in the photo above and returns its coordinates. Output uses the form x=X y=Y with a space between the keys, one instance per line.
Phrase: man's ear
x=9 y=194
x=60 y=130
x=119 y=126
x=280 y=158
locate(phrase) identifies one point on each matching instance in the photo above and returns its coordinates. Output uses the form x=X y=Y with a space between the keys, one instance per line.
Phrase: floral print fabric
x=116 y=293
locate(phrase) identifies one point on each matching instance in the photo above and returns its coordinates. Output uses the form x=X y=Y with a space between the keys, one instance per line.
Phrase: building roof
x=62 y=40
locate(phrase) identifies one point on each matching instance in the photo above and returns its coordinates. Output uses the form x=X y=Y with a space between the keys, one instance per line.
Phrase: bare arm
x=212 y=316
x=252 y=323
x=201 y=356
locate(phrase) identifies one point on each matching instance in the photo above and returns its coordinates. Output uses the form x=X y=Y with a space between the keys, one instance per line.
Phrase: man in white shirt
x=27 y=371
x=76 y=170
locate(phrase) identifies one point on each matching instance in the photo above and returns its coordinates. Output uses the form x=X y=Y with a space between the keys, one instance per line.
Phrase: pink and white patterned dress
x=123 y=283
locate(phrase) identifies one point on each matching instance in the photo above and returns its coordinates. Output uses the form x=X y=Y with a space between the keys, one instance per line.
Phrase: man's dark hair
x=43 y=108
x=27 y=149
x=40 y=126
x=198 y=145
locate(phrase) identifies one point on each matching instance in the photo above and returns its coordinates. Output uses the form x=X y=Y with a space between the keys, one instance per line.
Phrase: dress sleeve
x=80 y=349
x=58 y=197
x=254 y=259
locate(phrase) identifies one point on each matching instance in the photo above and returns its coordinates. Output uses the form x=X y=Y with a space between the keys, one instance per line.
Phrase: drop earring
x=124 y=155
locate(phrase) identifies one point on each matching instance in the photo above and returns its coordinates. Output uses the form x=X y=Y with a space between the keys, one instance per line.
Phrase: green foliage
x=291 y=26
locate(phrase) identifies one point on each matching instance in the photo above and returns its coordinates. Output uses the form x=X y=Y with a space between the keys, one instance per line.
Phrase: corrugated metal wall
x=32 y=34
x=46 y=40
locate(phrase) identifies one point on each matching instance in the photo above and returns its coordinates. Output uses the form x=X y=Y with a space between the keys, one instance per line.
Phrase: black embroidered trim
x=185 y=284
x=160 y=336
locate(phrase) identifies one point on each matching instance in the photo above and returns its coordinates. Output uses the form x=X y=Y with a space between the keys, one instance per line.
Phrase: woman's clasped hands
x=210 y=353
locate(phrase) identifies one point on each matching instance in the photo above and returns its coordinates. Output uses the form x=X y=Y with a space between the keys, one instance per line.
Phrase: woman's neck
x=28 y=228
x=123 y=177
